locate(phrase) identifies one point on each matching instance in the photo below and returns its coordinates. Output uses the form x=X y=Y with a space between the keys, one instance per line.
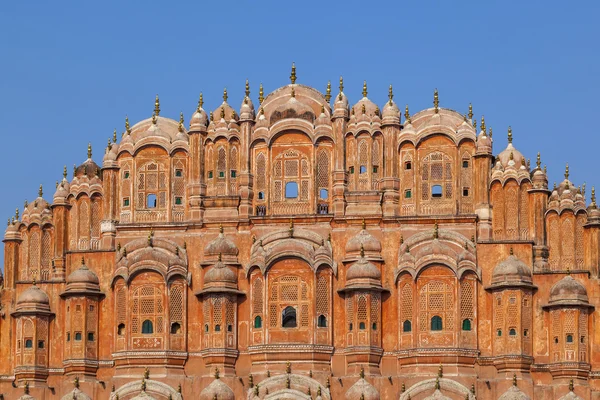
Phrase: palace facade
x=305 y=248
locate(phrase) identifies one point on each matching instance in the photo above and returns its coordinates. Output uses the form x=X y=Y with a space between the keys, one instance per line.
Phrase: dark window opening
x=178 y=173
x=90 y=336
x=582 y=339
x=363 y=169
x=512 y=332
x=217 y=328
x=68 y=336
x=233 y=173
x=466 y=325
x=556 y=339
x=126 y=175
x=569 y=338
x=221 y=174
x=436 y=191
x=229 y=328
x=291 y=190
x=374 y=326
x=350 y=327
x=126 y=202
x=41 y=344
x=465 y=192
x=465 y=163
x=210 y=174
x=436 y=323
x=257 y=322
x=178 y=201
x=151 y=201
x=121 y=329
x=322 y=208
x=375 y=169
x=526 y=332
x=77 y=336
x=324 y=194
x=261 y=195
x=362 y=326
x=28 y=344
x=499 y=332
x=407 y=326
x=91 y=308
x=322 y=321
x=351 y=170
x=408 y=194
x=206 y=328
x=408 y=165
x=261 y=211
x=175 y=328
x=147 y=327
x=288 y=317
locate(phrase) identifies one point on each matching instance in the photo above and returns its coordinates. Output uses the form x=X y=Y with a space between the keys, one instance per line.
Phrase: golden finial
x=143 y=387
x=180 y=122
x=288 y=367
x=287 y=382
x=225 y=97
x=436 y=101
x=322 y=108
x=490 y=135
x=514 y=379
x=261 y=94
x=437 y=383
x=154 y=119
x=82 y=260
x=406 y=114
x=341 y=86
x=250 y=380
x=475 y=125
x=362 y=372
x=319 y=390
x=571 y=386
x=593 y=195
x=352 y=111
x=364 y=91
x=510 y=135
x=200 y=102
x=262 y=111
x=216 y=373
x=567 y=172
x=465 y=117
x=109 y=145
x=233 y=114
x=211 y=116
x=89 y=150
x=8 y=223
x=328 y=92
x=220 y=228
x=115 y=136
x=26 y=387
x=390 y=94
x=440 y=371
x=364 y=224
x=470 y=111
x=511 y=251
x=256 y=390
x=545 y=169
x=157 y=106
x=483 y=124
x=568 y=271
x=403 y=387
x=327 y=383
x=40 y=191
x=247 y=88
x=309 y=393
x=17 y=212
x=127 y=127
x=293 y=74
x=473 y=389
x=65 y=172
x=364 y=109
x=293 y=92
x=362 y=251
x=538 y=160
x=222 y=112
x=435 y=231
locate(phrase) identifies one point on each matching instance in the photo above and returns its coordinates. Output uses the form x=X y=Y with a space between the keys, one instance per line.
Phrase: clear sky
x=71 y=71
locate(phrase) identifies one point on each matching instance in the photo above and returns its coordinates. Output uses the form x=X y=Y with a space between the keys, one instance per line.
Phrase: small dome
x=292 y=109
x=391 y=110
x=224 y=111
x=514 y=393
x=221 y=245
x=370 y=244
x=220 y=273
x=363 y=269
x=484 y=143
x=33 y=299
x=83 y=275
x=568 y=291
x=62 y=191
x=89 y=168
x=199 y=119
x=512 y=271
x=362 y=390
x=219 y=389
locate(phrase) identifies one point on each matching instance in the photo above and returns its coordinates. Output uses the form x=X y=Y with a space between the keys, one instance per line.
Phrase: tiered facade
x=306 y=250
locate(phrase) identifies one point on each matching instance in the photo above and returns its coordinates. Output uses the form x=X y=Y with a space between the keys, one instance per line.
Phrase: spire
x=40 y=191
x=115 y=136
x=436 y=101
x=293 y=92
x=65 y=172
x=220 y=228
x=157 y=106
x=509 y=135
x=247 y=92
x=180 y=122
x=127 y=127
x=571 y=386
x=514 y=379
x=470 y=111
x=490 y=135
x=200 y=102
x=364 y=224
x=593 y=196
x=362 y=373
x=293 y=74
x=222 y=112
x=216 y=373
x=341 y=86
x=475 y=125
x=362 y=251
x=440 y=371
x=225 y=97
x=567 y=172
x=483 y=125
x=328 y=92
x=390 y=94
x=261 y=94
x=511 y=251
x=17 y=213
x=407 y=114
x=89 y=154
x=435 y=231
x=364 y=91
x=538 y=161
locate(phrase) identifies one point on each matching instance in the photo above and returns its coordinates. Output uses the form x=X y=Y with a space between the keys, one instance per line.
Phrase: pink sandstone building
x=304 y=248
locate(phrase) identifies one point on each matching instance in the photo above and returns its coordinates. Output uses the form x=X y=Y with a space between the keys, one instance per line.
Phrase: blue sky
x=71 y=71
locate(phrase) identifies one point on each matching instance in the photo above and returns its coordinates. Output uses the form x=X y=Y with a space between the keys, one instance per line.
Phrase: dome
x=512 y=271
x=224 y=111
x=362 y=390
x=221 y=245
x=568 y=291
x=363 y=269
x=33 y=299
x=514 y=393
x=219 y=389
x=391 y=112
x=83 y=275
x=366 y=241
x=199 y=119
x=220 y=273
x=484 y=143
x=511 y=156
x=89 y=168
x=292 y=109
x=364 y=105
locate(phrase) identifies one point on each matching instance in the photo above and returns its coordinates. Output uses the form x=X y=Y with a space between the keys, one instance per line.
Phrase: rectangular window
x=90 y=336
x=408 y=165
x=351 y=170
x=233 y=173
x=436 y=191
x=41 y=344
x=178 y=201
x=221 y=174
x=408 y=194
x=126 y=202
x=68 y=336
x=126 y=175
x=178 y=173
x=375 y=169
x=465 y=192
x=465 y=164
x=210 y=174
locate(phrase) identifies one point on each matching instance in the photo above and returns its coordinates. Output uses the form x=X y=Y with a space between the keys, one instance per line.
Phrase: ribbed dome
x=221 y=245
x=83 y=275
x=568 y=291
x=33 y=300
x=220 y=273
x=363 y=269
x=362 y=388
x=89 y=168
x=512 y=271
x=217 y=388
x=364 y=240
x=391 y=110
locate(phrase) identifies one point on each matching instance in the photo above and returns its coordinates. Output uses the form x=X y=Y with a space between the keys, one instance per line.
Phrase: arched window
x=288 y=317
x=374 y=326
x=78 y=336
x=151 y=201
x=512 y=332
x=407 y=326
x=436 y=323
x=499 y=332
x=569 y=338
x=147 y=327
x=175 y=328
x=261 y=195
x=121 y=329
x=257 y=322
x=362 y=326
x=436 y=191
x=350 y=327
x=217 y=328
x=466 y=325
x=28 y=344
x=205 y=327
x=322 y=321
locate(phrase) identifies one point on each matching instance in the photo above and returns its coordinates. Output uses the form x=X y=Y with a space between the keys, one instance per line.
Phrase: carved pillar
x=390 y=183
x=196 y=187
x=340 y=122
x=246 y=179
x=482 y=161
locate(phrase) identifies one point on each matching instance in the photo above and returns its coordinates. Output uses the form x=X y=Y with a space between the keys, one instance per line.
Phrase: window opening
x=291 y=190
x=466 y=325
x=175 y=328
x=407 y=326
x=147 y=327
x=363 y=169
x=408 y=165
x=121 y=329
x=151 y=201
x=90 y=337
x=408 y=194
x=77 y=336
x=288 y=317
x=257 y=322
x=322 y=321
x=324 y=194
x=436 y=191
x=436 y=323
